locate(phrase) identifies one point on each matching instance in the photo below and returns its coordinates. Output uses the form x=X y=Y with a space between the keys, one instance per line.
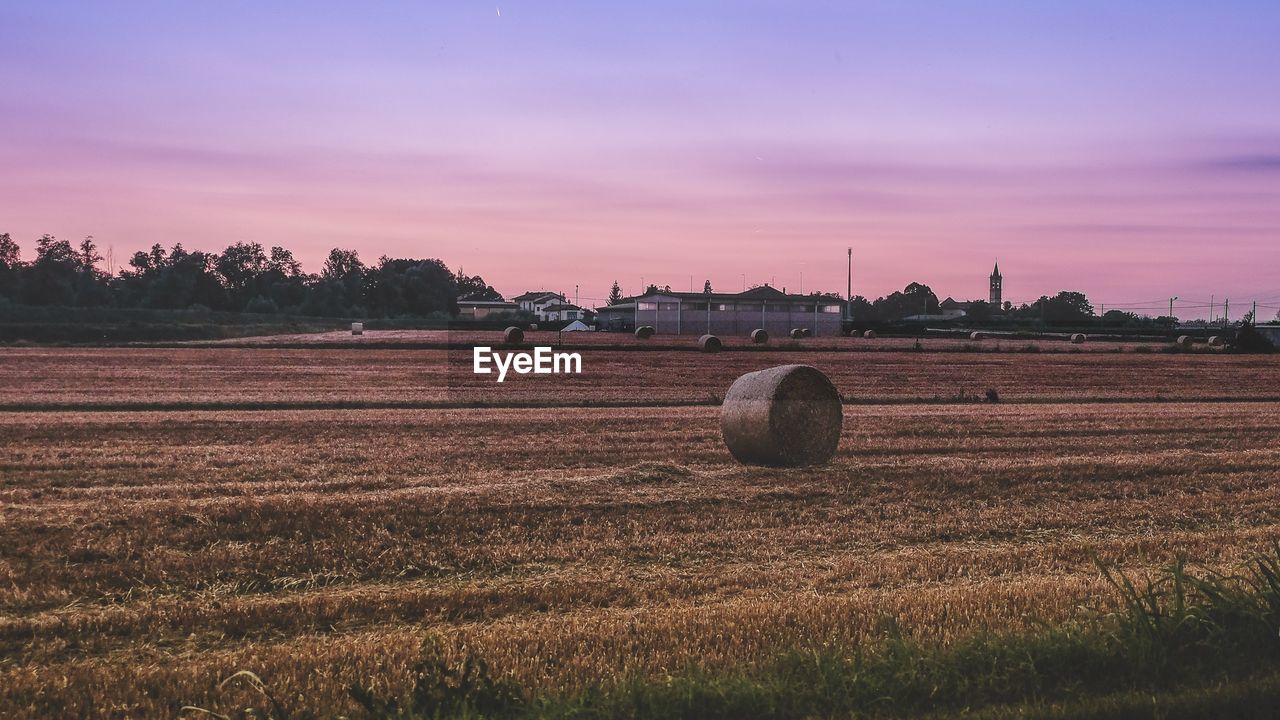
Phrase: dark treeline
x=245 y=277
x=1067 y=308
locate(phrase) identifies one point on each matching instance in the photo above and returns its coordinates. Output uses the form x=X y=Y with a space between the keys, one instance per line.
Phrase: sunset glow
x=1131 y=153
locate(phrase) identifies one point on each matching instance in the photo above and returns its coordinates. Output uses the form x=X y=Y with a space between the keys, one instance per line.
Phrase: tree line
x=244 y=277
x=1067 y=308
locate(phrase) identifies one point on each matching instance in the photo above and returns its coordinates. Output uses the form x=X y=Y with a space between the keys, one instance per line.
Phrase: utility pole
x=1226 y=312
x=848 y=292
x=1171 y=318
x=575 y=296
x=1254 y=314
x=1210 y=309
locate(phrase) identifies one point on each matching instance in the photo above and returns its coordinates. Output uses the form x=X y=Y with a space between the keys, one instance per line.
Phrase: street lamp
x=1175 y=297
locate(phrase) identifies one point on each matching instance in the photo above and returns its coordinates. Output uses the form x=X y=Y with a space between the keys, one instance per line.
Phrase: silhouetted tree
x=615 y=294
x=412 y=287
x=10 y=267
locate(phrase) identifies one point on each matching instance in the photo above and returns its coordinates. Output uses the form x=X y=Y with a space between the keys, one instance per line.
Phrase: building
x=952 y=309
x=550 y=306
x=997 y=287
x=534 y=302
x=480 y=309
x=561 y=312
x=726 y=314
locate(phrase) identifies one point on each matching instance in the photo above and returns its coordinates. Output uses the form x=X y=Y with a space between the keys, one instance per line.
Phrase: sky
x=1127 y=150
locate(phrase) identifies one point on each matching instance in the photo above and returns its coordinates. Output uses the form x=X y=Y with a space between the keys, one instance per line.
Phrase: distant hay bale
x=790 y=416
x=357 y=328
x=760 y=336
x=513 y=335
x=975 y=336
x=1216 y=341
x=644 y=332
x=1184 y=341
x=709 y=344
x=796 y=333
x=1078 y=338
x=806 y=332
x=533 y=326
x=870 y=334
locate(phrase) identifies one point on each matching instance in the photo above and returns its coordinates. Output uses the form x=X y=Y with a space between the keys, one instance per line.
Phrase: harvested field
x=238 y=377
x=146 y=555
x=957 y=342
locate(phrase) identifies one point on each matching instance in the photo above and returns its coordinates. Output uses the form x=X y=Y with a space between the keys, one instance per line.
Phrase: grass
x=1184 y=644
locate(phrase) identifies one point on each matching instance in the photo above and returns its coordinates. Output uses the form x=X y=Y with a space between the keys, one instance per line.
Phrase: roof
x=560 y=306
x=763 y=292
x=535 y=295
x=575 y=326
x=488 y=303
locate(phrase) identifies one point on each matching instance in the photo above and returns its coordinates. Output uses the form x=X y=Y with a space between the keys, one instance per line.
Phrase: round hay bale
x=796 y=333
x=533 y=326
x=513 y=335
x=1184 y=341
x=788 y=415
x=357 y=328
x=975 y=336
x=1078 y=338
x=807 y=332
x=644 y=332
x=870 y=334
x=1216 y=341
x=760 y=336
x=709 y=344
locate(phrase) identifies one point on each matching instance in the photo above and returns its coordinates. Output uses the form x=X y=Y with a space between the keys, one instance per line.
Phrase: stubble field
x=151 y=546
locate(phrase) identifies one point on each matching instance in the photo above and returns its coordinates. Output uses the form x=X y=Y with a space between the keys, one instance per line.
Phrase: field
x=171 y=516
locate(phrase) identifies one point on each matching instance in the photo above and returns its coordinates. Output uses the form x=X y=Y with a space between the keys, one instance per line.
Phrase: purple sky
x=1129 y=152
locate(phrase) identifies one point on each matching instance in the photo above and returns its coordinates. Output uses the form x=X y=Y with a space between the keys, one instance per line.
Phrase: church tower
x=996 y=281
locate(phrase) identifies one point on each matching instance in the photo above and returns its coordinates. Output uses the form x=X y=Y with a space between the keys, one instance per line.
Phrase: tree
x=241 y=267
x=1065 y=308
x=914 y=299
x=52 y=278
x=11 y=254
x=979 y=311
x=615 y=294
x=706 y=287
x=861 y=309
x=475 y=288
x=340 y=288
x=10 y=265
x=412 y=287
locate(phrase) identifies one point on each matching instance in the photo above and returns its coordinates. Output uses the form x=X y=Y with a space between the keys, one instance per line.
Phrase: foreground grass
x=1182 y=644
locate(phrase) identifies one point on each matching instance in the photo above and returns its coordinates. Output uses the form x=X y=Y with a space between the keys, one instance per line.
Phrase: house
x=952 y=309
x=538 y=301
x=560 y=312
x=726 y=314
x=479 y=309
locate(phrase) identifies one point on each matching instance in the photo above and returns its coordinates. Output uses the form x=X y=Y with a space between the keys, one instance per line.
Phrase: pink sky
x=1132 y=154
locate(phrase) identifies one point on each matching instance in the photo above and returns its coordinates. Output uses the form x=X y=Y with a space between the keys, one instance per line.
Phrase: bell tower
x=996 y=281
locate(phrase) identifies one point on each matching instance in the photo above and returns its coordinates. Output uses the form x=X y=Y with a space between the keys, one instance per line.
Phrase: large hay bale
x=788 y=415
x=1078 y=338
x=975 y=335
x=760 y=336
x=709 y=344
x=533 y=326
x=513 y=335
x=357 y=328
x=644 y=332
x=870 y=334
x=1216 y=341
x=796 y=333
x=1184 y=341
